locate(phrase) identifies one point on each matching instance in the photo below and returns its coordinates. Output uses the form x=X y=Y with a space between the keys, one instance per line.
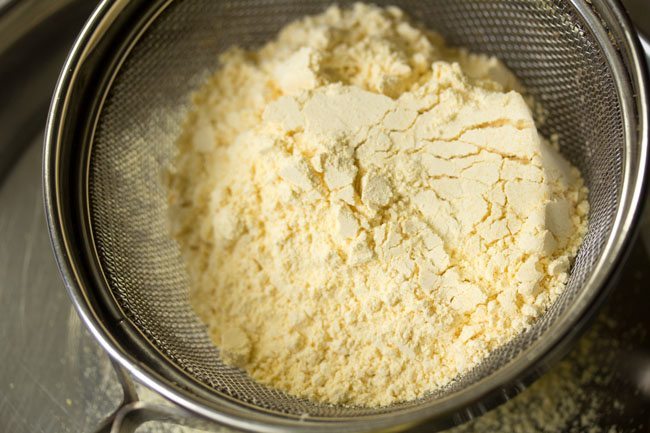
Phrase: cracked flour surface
x=365 y=213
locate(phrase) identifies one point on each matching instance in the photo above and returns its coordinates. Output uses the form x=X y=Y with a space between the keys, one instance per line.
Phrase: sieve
x=118 y=108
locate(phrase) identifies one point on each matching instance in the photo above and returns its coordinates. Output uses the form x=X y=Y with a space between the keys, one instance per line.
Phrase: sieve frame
x=89 y=70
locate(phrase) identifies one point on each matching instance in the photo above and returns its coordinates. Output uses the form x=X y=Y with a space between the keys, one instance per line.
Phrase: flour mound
x=365 y=213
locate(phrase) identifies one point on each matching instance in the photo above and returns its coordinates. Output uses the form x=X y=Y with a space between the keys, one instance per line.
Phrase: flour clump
x=366 y=213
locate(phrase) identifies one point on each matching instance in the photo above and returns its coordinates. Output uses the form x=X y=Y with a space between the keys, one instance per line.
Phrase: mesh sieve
x=111 y=211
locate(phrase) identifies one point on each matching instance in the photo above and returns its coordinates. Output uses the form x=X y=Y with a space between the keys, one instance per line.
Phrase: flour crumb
x=366 y=213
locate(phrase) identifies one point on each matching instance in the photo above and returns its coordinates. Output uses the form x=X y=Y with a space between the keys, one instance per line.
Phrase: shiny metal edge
x=489 y=390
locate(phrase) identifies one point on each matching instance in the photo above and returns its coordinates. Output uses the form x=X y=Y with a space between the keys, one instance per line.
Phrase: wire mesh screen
x=545 y=43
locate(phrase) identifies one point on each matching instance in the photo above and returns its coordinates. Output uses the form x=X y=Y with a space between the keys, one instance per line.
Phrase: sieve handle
x=129 y=416
x=133 y=412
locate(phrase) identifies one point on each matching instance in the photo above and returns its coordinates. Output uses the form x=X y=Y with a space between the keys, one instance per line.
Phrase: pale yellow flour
x=365 y=213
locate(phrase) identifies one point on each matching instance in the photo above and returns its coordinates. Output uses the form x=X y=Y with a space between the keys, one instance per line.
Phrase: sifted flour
x=366 y=213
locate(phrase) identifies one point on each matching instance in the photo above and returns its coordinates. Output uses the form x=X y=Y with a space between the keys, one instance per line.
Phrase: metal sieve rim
x=69 y=130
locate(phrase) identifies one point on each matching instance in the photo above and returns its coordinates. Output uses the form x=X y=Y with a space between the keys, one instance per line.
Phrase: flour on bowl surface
x=366 y=213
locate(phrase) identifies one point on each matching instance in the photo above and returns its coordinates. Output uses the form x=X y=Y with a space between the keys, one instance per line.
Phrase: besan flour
x=366 y=213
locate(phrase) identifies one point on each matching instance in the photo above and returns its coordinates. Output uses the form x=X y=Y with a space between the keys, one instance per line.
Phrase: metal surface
x=639 y=11
x=110 y=138
x=28 y=27
x=53 y=375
